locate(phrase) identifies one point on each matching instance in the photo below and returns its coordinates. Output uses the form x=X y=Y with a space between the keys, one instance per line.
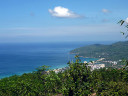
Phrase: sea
x=20 y=58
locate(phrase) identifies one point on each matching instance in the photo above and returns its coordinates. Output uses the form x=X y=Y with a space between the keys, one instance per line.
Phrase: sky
x=62 y=20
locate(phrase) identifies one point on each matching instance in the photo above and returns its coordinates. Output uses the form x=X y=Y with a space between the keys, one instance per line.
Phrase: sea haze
x=26 y=57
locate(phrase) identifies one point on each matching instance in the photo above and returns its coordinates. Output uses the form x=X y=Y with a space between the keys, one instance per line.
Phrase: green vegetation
x=113 y=52
x=77 y=80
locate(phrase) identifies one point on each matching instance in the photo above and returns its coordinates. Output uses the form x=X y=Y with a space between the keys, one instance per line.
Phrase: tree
x=125 y=23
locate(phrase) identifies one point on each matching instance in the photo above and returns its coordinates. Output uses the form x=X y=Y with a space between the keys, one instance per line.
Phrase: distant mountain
x=114 y=51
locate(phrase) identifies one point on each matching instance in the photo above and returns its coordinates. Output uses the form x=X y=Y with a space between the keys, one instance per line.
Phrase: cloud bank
x=103 y=32
x=62 y=12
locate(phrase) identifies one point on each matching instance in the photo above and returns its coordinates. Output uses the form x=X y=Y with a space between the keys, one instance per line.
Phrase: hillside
x=114 y=51
x=77 y=80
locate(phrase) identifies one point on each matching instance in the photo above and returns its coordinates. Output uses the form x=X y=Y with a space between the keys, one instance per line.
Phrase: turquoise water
x=26 y=57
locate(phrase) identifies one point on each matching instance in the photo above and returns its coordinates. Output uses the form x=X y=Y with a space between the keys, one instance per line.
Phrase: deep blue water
x=26 y=57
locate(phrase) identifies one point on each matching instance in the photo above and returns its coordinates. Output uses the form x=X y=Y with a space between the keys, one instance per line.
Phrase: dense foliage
x=77 y=80
x=113 y=52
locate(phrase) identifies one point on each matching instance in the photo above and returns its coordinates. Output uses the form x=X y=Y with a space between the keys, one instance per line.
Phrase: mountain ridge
x=115 y=51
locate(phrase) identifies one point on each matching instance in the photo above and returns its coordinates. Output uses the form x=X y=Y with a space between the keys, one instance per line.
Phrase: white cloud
x=126 y=20
x=105 y=11
x=63 y=12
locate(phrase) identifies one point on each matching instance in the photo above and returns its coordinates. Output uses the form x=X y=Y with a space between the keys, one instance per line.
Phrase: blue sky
x=61 y=20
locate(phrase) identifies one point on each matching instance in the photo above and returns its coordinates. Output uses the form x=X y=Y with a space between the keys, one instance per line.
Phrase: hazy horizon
x=61 y=20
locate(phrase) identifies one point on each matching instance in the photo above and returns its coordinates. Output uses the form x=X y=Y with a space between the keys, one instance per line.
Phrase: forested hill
x=114 y=51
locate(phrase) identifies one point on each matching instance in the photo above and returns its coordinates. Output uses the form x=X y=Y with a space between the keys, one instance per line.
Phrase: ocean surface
x=19 y=58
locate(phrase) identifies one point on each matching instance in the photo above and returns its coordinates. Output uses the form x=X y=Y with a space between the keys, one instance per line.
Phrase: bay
x=19 y=58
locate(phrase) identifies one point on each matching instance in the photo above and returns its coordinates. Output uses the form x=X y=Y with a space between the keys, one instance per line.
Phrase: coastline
x=58 y=69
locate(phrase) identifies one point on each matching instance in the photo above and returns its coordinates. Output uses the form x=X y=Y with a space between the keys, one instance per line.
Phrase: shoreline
x=59 y=69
